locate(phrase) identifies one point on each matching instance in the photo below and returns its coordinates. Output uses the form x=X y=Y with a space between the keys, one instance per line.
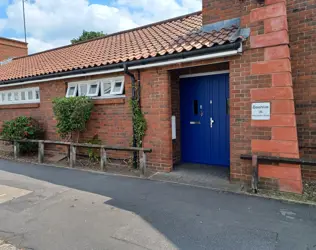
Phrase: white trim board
x=205 y=74
x=150 y=65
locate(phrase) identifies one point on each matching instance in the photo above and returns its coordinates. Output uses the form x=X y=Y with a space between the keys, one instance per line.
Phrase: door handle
x=211 y=122
x=195 y=122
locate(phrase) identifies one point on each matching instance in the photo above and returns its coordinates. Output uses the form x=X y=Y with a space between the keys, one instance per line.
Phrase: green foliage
x=72 y=114
x=139 y=121
x=94 y=154
x=23 y=128
x=87 y=35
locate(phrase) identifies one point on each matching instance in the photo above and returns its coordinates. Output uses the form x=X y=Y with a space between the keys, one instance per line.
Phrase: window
x=114 y=86
x=19 y=96
x=106 y=88
x=16 y=96
x=83 y=89
x=30 y=95
x=37 y=94
x=93 y=89
x=110 y=87
x=71 y=90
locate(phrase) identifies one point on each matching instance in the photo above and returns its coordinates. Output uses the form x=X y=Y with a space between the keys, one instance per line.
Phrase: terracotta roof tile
x=171 y=36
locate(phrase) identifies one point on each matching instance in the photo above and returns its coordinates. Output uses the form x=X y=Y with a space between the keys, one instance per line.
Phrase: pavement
x=51 y=208
x=200 y=175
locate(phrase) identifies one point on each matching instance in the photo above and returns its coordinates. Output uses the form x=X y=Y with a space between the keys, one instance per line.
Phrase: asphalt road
x=71 y=209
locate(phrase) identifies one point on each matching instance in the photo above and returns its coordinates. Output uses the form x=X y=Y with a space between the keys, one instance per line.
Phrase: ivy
x=140 y=124
x=72 y=114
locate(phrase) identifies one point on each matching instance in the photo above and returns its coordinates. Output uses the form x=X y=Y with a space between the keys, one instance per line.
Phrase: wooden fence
x=73 y=151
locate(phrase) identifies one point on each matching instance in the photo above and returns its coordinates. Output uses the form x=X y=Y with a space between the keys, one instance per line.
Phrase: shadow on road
x=191 y=218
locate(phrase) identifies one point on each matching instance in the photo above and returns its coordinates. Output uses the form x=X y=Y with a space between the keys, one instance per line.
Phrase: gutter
x=188 y=56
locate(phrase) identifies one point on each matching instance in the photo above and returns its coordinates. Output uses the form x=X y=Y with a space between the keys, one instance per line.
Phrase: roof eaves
x=185 y=54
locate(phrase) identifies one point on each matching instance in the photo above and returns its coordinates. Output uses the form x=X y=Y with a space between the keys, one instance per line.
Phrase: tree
x=87 y=35
x=72 y=115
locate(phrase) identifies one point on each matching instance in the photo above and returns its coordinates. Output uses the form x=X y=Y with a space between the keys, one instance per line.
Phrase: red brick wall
x=263 y=73
x=276 y=63
x=11 y=48
x=219 y=10
x=302 y=31
x=110 y=119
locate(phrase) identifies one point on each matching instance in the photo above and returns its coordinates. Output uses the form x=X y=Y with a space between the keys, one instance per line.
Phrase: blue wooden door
x=205 y=119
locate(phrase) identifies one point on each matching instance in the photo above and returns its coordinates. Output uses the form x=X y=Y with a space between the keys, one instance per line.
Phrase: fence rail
x=73 y=151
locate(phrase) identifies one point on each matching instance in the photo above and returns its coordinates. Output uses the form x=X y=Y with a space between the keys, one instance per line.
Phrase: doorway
x=204 y=107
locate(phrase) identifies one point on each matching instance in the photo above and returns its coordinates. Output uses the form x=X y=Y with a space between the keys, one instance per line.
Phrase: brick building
x=207 y=70
x=11 y=48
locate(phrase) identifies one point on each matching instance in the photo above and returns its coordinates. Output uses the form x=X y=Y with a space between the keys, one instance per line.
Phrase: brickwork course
x=277 y=65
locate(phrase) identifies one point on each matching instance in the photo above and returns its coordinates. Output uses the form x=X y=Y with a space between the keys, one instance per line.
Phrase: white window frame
x=19 y=91
x=70 y=85
x=113 y=81
x=97 y=90
x=79 y=89
x=99 y=83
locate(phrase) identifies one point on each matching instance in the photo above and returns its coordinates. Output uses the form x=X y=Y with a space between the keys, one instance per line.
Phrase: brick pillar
x=276 y=64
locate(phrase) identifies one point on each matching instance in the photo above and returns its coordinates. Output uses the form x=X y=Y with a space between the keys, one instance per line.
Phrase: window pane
x=9 y=97
x=106 y=88
x=71 y=91
x=3 y=97
x=195 y=107
x=23 y=96
x=83 y=89
x=16 y=96
x=93 y=89
x=117 y=87
x=30 y=95
x=37 y=94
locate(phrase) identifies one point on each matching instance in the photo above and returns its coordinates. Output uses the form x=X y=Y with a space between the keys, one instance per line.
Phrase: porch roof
x=177 y=35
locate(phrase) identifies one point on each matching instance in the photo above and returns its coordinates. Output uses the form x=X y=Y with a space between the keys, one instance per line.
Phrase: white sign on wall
x=260 y=111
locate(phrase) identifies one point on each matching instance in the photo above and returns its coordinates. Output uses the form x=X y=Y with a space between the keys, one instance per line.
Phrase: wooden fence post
x=103 y=161
x=40 y=151
x=73 y=152
x=16 y=149
x=143 y=166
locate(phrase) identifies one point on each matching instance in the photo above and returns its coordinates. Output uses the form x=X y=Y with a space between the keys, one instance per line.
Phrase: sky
x=53 y=23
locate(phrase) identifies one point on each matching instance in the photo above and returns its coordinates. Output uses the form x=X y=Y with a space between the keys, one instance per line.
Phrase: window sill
x=109 y=100
x=20 y=106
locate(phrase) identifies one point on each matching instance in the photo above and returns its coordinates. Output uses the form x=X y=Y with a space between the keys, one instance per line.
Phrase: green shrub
x=23 y=128
x=94 y=153
x=72 y=114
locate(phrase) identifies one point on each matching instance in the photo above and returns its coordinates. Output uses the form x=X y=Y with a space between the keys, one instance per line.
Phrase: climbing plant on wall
x=139 y=121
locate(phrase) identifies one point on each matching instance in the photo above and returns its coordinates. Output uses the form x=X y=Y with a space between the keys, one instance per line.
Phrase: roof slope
x=167 y=37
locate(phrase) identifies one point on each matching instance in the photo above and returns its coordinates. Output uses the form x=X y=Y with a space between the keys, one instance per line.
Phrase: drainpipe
x=131 y=75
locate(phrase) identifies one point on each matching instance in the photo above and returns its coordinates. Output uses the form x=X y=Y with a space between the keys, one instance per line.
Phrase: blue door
x=205 y=119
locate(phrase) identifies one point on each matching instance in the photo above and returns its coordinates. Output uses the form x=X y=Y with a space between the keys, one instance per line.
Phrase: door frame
x=219 y=72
